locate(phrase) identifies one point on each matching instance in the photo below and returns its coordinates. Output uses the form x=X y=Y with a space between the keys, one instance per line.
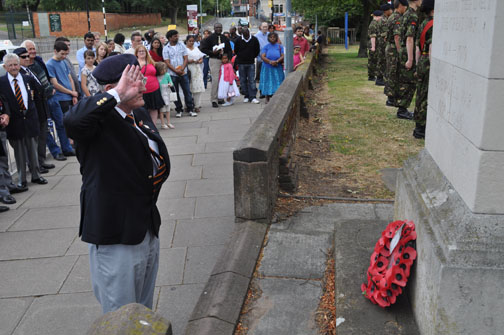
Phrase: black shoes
x=380 y=81
x=69 y=153
x=419 y=131
x=8 y=199
x=47 y=166
x=4 y=209
x=391 y=102
x=215 y=105
x=43 y=170
x=60 y=157
x=19 y=189
x=40 y=181
x=220 y=101
x=370 y=78
x=403 y=113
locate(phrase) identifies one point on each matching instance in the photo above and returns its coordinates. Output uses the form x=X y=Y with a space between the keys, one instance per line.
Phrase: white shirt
x=22 y=87
x=152 y=144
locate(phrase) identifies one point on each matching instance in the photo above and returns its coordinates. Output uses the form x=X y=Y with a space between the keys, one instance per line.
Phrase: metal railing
x=336 y=35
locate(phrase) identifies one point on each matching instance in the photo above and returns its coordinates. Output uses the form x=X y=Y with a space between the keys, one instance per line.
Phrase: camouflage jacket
x=409 y=26
x=393 y=26
x=428 y=36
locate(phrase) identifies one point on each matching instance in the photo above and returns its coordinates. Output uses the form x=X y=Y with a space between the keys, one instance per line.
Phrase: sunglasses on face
x=24 y=57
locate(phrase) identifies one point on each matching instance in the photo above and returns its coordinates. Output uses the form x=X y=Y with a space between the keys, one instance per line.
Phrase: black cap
x=427 y=6
x=404 y=2
x=20 y=51
x=110 y=69
x=377 y=13
x=386 y=7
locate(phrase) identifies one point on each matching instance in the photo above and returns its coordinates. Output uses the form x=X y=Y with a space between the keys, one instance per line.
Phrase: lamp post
x=289 y=42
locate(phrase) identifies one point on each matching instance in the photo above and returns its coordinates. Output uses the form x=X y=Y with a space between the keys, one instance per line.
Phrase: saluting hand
x=130 y=83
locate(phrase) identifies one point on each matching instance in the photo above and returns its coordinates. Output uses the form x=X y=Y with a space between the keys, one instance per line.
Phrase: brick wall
x=75 y=23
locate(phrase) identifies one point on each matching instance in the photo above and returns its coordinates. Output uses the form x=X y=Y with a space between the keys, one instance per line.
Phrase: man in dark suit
x=40 y=103
x=23 y=127
x=123 y=162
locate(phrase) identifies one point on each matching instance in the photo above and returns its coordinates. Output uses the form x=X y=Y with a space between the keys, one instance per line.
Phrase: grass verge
x=366 y=136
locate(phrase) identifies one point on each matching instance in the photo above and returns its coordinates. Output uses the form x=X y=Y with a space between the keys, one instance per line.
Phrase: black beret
x=20 y=51
x=386 y=7
x=110 y=69
x=427 y=5
x=404 y=2
x=377 y=13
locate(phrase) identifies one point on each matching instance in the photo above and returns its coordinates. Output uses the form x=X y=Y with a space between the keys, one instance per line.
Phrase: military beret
x=427 y=5
x=110 y=69
x=404 y=2
x=386 y=7
x=377 y=13
x=20 y=51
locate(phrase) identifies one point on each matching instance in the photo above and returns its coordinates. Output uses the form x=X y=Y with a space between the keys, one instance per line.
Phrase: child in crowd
x=165 y=85
x=89 y=84
x=227 y=83
x=298 y=57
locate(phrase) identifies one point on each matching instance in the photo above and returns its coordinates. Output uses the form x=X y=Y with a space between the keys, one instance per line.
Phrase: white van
x=6 y=47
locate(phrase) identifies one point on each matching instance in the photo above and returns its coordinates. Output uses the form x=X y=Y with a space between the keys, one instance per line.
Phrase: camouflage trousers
x=422 y=90
x=372 y=63
x=391 y=75
x=407 y=81
x=381 y=61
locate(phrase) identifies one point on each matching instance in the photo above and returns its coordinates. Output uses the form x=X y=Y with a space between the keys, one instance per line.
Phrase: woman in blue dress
x=272 y=74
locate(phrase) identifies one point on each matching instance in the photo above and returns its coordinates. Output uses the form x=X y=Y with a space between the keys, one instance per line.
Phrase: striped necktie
x=19 y=96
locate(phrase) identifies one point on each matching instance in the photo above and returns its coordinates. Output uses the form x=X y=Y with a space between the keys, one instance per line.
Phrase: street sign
x=204 y=14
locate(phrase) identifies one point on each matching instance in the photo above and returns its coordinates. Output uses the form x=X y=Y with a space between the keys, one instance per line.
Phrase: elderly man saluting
x=123 y=162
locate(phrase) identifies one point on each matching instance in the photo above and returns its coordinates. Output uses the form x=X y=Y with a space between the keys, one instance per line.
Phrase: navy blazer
x=22 y=123
x=40 y=100
x=118 y=198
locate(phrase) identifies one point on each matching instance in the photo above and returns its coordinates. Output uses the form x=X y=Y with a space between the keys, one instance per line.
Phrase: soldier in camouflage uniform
x=424 y=43
x=391 y=51
x=373 y=32
x=381 y=44
x=407 y=79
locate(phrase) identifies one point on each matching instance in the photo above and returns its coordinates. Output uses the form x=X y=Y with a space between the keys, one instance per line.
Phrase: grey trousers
x=26 y=147
x=215 y=65
x=41 y=142
x=5 y=176
x=123 y=274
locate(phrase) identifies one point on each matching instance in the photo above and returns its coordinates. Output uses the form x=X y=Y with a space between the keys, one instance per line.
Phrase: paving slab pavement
x=289 y=283
x=44 y=268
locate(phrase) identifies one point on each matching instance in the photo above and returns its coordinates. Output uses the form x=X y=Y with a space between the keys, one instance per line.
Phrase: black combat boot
x=371 y=78
x=391 y=102
x=403 y=113
x=380 y=81
x=419 y=131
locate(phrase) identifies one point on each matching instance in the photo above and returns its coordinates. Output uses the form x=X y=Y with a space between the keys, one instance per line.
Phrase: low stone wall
x=264 y=152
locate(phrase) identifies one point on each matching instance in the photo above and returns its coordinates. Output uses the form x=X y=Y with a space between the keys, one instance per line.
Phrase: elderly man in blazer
x=23 y=128
x=123 y=162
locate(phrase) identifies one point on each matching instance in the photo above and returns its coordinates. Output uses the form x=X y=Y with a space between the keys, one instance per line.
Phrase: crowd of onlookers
x=33 y=91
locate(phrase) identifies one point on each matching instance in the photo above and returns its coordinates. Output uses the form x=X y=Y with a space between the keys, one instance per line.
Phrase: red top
x=155 y=57
x=303 y=43
x=149 y=72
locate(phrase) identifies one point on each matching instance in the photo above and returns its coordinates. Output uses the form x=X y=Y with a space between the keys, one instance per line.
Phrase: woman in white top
x=194 y=61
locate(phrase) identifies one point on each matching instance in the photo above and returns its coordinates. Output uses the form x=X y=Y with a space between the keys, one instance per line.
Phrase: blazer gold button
x=150 y=177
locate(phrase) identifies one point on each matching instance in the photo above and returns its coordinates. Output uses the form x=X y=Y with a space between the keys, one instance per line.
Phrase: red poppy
x=389 y=269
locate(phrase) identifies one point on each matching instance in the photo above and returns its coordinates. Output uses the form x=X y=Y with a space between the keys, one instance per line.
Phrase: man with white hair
x=23 y=128
x=37 y=68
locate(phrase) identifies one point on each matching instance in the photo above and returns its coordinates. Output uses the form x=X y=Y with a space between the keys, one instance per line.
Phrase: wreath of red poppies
x=389 y=270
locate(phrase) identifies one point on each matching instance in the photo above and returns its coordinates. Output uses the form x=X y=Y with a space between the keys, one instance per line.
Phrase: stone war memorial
x=454 y=190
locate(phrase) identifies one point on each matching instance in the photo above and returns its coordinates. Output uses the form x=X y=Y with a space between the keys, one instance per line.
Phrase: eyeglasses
x=24 y=57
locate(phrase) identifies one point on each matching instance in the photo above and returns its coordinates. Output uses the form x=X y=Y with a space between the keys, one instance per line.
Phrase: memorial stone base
x=457 y=284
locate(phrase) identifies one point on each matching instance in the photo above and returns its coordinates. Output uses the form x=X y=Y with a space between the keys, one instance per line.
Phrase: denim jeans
x=184 y=83
x=247 y=80
x=206 y=69
x=57 y=117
